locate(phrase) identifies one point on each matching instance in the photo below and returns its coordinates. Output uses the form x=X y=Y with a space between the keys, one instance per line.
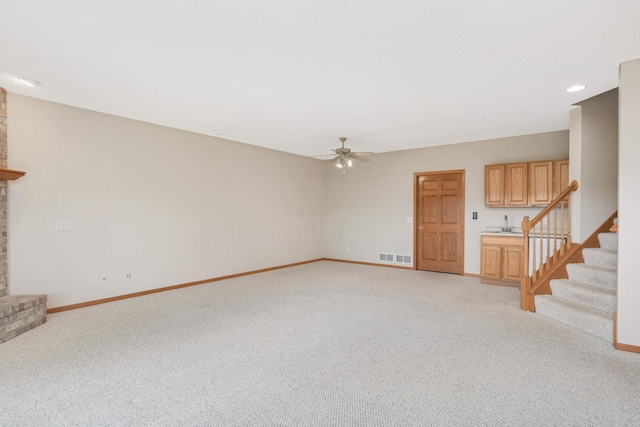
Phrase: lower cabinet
x=501 y=259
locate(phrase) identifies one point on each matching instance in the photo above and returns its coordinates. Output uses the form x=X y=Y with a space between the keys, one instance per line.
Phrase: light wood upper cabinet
x=515 y=184
x=560 y=176
x=494 y=185
x=506 y=185
x=541 y=183
x=525 y=183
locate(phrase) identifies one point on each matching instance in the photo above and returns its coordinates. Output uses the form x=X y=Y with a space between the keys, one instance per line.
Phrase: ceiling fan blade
x=364 y=153
x=360 y=159
x=323 y=155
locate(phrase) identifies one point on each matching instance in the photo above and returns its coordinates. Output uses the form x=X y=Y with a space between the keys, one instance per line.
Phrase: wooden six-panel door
x=439 y=225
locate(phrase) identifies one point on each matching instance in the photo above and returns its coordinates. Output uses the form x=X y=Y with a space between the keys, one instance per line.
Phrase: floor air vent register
x=395 y=258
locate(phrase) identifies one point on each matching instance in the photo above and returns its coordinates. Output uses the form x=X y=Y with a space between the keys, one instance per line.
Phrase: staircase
x=588 y=298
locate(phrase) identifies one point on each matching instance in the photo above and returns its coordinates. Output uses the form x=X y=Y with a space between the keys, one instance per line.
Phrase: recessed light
x=28 y=82
x=576 y=88
x=217 y=129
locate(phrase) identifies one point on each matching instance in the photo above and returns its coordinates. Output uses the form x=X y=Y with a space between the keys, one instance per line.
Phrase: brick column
x=18 y=314
x=3 y=193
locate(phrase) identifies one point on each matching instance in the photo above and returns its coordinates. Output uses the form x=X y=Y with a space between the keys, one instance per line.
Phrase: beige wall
x=594 y=162
x=629 y=180
x=367 y=209
x=172 y=207
x=166 y=205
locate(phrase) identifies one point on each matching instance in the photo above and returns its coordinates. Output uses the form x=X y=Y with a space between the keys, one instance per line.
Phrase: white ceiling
x=295 y=75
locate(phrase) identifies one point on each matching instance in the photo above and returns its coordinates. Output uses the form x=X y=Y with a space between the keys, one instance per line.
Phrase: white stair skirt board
x=588 y=298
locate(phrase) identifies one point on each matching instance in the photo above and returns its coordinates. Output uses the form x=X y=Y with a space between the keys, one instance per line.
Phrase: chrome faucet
x=506 y=223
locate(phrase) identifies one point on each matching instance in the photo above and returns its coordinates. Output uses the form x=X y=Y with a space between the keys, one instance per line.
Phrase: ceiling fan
x=344 y=156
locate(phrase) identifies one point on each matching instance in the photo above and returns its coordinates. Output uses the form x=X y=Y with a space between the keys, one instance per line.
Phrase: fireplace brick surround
x=19 y=313
x=3 y=194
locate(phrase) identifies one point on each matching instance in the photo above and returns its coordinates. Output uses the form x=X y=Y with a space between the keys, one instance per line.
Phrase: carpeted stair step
x=608 y=241
x=604 y=299
x=579 y=316
x=600 y=257
x=599 y=276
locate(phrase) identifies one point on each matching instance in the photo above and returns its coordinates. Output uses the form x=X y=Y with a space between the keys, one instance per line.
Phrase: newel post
x=526 y=299
x=526 y=227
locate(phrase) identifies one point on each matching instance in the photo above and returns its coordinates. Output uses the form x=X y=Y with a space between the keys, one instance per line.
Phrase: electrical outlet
x=95 y=280
x=346 y=249
x=103 y=278
x=128 y=276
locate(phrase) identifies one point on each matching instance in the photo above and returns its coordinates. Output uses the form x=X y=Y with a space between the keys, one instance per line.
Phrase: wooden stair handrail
x=555 y=202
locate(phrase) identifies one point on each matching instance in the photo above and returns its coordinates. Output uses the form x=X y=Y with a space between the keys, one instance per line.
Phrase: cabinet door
x=491 y=262
x=512 y=263
x=560 y=176
x=540 y=183
x=516 y=188
x=494 y=185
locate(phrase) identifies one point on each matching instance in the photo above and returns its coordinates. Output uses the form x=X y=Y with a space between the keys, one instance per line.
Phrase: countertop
x=518 y=234
x=503 y=233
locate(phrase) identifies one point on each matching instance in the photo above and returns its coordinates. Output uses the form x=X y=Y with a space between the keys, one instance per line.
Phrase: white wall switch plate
x=58 y=225
x=67 y=226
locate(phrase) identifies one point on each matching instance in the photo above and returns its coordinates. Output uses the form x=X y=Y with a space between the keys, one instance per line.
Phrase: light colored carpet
x=320 y=344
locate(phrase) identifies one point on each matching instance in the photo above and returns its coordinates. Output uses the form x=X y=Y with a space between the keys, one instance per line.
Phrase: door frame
x=415 y=213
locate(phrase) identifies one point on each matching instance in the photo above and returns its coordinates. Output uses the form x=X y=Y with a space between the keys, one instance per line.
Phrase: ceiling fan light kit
x=344 y=163
x=344 y=157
